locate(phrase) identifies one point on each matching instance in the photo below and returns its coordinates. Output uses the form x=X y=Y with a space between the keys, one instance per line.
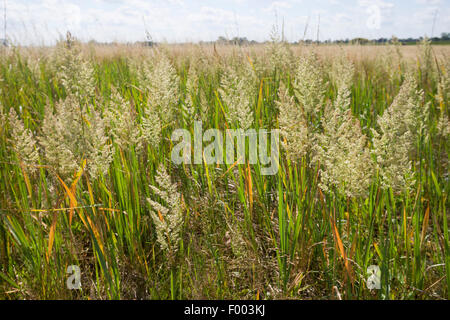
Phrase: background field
x=92 y=125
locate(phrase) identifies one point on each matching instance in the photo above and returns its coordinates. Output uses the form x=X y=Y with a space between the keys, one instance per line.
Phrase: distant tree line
x=243 y=41
x=444 y=39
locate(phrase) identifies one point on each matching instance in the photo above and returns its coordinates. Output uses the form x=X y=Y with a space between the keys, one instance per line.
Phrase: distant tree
x=360 y=41
x=222 y=40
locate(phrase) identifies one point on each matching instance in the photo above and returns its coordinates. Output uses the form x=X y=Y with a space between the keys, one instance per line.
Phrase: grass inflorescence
x=86 y=176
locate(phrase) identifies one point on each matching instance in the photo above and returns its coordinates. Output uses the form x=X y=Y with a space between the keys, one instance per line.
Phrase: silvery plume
x=443 y=126
x=390 y=62
x=23 y=142
x=280 y=56
x=70 y=135
x=194 y=95
x=142 y=66
x=189 y=110
x=394 y=143
x=166 y=213
x=151 y=126
x=293 y=126
x=75 y=73
x=342 y=152
x=443 y=93
x=342 y=73
x=163 y=88
x=98 y=150
x=426 y=61
x=120 y=121
x=309 y=85
x=237 y=91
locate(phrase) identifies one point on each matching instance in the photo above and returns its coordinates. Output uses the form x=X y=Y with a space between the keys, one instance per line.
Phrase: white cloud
x=429 y=2
x=378 y=3
x=183 y=20
x=277 y=6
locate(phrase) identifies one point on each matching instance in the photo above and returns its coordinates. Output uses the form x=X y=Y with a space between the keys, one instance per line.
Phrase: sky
x=45 y=21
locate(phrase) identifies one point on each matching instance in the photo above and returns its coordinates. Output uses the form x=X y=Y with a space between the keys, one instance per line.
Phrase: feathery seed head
x=399 y=126
x=280 y=55
x=293 y=126
x=23 y=141
x=163 y=89
x=75 y=73
x=310 y=86
x=342 y=75
x=341 y=149
x=151 y=126
x=237 y=92
x=167 y=215
x=70 y=135
x=120 y=121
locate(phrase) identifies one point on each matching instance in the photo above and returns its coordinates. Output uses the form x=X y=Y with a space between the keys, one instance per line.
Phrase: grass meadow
x=86 y=176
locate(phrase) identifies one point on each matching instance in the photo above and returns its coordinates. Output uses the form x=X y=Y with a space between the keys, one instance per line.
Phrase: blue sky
x=43 y=21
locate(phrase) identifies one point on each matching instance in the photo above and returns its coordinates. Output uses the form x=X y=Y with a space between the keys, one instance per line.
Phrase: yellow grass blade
x=221 y=107
x=250 y=188
x=377 y=249
x=425 y=224
x=232 y=166
x=27 y=179
x=51 y=237
x=92 y=225
x=250 y=61
x=161 y=218
x=260 y=97
x=73 y=200
x=207 y=174
x=340 y=246
x=73 y=186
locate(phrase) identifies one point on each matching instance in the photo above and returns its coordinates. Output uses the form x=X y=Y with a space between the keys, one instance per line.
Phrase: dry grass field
x=87 y=178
